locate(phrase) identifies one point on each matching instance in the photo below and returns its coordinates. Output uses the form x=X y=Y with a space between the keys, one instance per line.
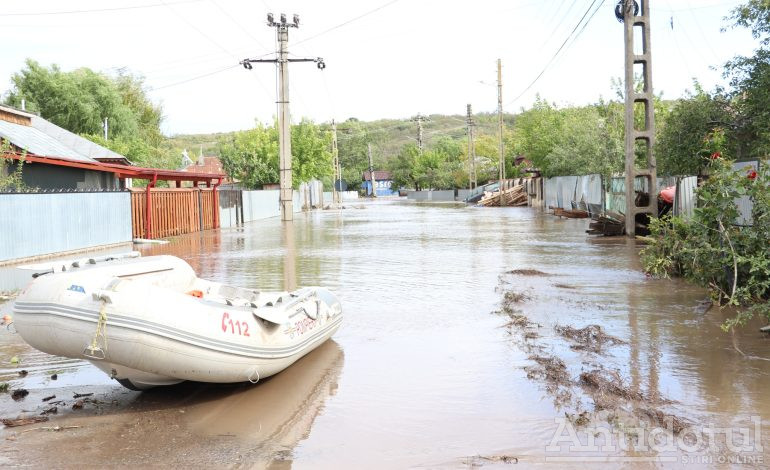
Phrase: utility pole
x=284 y=116
x=371 y=171
x=500 y=125
x=472 y=182
x=106 y=128
x=419 y=119
x=627 y=11
x=336 y=165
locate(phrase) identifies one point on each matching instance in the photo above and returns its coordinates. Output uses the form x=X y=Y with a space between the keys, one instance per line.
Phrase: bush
x=711 y=249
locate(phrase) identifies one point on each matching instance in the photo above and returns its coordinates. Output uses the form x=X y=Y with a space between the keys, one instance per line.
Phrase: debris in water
x=527 y=272
x=765 y=329
x=591 y=338
x=703 y=306
x=81 y=395
x=4 y=387
x=15 y=360
x=657 y=418
x=52 y=410
x=513 y=297
x=606 y=387
x=20 y=393
x=480 y=460
x=49 y=398
x=580 y=419
x=564 y=286
x=77 y=405
x=10 y=423
x=552 y=371
x=54 y=376
x=23 y=373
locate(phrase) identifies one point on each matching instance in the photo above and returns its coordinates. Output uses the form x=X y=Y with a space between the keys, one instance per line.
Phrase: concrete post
x=634 y=135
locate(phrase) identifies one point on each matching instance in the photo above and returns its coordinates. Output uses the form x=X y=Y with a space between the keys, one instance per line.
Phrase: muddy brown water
x=422 y=373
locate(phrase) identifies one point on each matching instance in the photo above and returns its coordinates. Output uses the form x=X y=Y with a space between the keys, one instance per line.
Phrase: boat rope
x=100 y=335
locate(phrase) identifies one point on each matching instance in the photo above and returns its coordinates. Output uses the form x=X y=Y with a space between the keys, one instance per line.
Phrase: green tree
x=680 y=140
x=77 y=101
x=80 y=100
x=403 y=168
x=252 y=156
x=750 y=80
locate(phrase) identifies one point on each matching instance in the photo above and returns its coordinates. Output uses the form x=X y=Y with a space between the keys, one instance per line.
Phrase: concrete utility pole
x=500 y=125
x=472 y=182
x=336 y=165
x=284 y=116
x=106 y=128
x=371 y=171
x=419 y=119
x=631 y=19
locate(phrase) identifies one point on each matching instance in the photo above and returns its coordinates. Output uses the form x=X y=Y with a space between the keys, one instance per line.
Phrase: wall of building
x=38 y=175
x=41 y=224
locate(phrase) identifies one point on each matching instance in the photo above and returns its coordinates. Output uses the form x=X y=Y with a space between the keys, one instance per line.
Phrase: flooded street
x=425 y=371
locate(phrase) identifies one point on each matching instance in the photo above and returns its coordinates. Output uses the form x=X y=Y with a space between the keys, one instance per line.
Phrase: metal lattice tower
x=419 y=119
x=631 y=20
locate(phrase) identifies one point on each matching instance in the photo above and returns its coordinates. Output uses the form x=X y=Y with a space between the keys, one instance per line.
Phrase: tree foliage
x=252 y=156
x=692 y=118
x=711 y=249
x=79 y=101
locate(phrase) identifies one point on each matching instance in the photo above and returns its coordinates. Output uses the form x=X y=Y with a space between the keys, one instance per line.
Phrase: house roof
x=45 y=138
x=79 y=144
x=378 y=175
x=35 y=141
x=121 y=171
x=208 y=165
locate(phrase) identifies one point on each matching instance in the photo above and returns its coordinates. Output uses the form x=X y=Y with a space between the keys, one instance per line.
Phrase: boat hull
x=145 y=335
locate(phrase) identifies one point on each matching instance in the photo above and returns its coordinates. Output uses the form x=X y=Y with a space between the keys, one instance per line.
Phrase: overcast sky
x=408 y=56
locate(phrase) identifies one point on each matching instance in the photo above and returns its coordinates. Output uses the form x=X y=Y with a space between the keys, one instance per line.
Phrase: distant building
x=71 y=161
x=383 y=180
x=210 y=165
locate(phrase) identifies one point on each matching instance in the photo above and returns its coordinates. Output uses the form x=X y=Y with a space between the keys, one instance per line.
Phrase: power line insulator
x=619 y=9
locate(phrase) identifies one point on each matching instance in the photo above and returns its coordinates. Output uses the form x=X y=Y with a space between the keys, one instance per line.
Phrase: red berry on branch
x=752 y=175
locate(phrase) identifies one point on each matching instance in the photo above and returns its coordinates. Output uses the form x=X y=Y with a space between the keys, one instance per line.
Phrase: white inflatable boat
x=151 y=321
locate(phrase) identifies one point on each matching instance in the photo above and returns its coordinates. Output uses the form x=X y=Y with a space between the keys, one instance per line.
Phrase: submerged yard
x=472 y=336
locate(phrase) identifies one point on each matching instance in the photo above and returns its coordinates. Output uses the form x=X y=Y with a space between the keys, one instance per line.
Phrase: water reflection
x=279 y=411
x=289 y=257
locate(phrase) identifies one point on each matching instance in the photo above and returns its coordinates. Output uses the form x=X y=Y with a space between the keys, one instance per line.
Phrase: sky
x=384 y=58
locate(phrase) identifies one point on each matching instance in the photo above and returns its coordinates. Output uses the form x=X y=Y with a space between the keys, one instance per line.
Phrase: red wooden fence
x=173 y=211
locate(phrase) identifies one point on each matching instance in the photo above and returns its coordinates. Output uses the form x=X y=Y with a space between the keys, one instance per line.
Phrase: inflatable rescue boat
x=150 y=321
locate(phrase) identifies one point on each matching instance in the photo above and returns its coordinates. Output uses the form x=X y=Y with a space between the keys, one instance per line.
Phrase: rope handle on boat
x=256 y=371
x=94 y=350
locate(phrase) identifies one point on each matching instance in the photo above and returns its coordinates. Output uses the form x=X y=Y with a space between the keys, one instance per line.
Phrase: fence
x=173 y=211
x=41 y=224
x=571 y=192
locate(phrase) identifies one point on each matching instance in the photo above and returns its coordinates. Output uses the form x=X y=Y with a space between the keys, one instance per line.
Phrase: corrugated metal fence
x=38 y=224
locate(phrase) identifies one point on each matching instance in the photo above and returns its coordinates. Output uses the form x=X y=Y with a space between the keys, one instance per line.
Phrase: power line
x=238 y=24
x=542 y=72
x=347 y=22
x=195 y=78
x=99 y=10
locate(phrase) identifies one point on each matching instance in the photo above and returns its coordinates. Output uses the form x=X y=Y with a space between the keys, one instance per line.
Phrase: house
x=207 y=165
x=71 y=161
x=383 y=180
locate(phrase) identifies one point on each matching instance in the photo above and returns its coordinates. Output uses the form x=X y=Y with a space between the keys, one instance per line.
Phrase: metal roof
x=121 y=171
x=38 y=142
x=79 y=144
